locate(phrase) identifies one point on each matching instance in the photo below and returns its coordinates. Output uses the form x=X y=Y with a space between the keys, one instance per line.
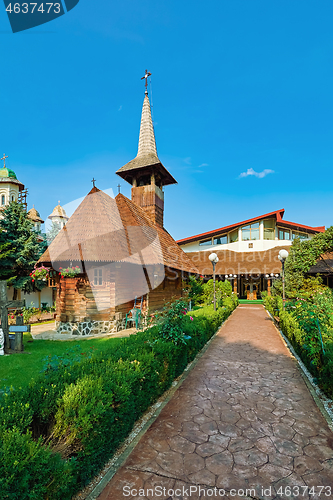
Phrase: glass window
x=284 y=234
x=234 y=236
x=98 y=276
x=12 y=197
x=297 y=234
x=3 y=199
x=205 y=242
x=221 y=240
x=250 y=232
x=269 y=229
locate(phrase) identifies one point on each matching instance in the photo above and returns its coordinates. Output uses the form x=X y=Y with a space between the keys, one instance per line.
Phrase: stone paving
x=243 y=419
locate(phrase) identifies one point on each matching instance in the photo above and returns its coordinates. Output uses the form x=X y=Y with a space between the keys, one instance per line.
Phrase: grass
x=18 y=370
x=43 y=322
x=245 y=301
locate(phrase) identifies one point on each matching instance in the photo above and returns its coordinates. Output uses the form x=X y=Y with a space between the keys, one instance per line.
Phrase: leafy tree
x=223 y=289
x=194 y=287
x=302 y=256
x=21 y=248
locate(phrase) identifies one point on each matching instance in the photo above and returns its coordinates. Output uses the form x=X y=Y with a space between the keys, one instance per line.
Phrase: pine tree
x=19 y=247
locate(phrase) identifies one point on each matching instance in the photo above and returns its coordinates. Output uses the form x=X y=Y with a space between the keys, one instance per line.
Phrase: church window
x=221 y=240
x=98 y=277
x=269 y=229
x=250 y=232
x=234 y=236
x=13 y=197
x=205 y=243
x=3 y=199
x=284 y=234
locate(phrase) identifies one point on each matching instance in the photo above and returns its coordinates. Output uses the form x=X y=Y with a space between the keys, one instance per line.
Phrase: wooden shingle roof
x=324 y=264
x=239 y=263
x=147 y=157
x=103 y=229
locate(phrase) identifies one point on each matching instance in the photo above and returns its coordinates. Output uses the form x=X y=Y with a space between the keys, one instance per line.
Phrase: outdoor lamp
x=214 y=260
x=213 y=257
x=283 y=254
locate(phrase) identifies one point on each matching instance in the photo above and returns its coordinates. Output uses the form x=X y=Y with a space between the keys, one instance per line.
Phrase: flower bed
x=84 y=410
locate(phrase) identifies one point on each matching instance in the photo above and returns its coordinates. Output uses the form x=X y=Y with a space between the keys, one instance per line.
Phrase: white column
x=261 y=230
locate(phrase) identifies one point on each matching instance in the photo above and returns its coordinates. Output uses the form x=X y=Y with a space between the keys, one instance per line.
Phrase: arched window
x=13 y=198
x=3 y=199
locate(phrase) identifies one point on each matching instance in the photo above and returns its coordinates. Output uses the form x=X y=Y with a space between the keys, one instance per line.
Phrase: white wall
x=45 y=296
x=237 y=246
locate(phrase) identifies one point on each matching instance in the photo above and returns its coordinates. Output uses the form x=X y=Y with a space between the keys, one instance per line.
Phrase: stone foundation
x=85 y=328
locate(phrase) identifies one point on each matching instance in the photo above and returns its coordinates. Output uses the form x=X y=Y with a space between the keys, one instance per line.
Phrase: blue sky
x=238 y=87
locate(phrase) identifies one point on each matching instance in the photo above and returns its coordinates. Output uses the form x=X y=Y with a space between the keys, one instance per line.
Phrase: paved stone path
x=243 y=419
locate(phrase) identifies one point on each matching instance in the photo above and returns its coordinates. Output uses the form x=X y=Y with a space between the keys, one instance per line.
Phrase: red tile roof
x=278 y=214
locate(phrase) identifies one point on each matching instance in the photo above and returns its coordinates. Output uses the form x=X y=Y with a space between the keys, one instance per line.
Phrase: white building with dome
x=10 y=187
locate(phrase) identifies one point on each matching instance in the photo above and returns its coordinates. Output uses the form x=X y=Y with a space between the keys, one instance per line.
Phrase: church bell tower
x=146 y=173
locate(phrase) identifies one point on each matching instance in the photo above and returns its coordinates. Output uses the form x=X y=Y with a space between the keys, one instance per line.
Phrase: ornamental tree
x=302 y=256
x=21 y=249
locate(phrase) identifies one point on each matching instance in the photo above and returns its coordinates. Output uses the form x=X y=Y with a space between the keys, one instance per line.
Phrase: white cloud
x=120 y=107
x=203 y=165
x=187 y=160
x=260 y=175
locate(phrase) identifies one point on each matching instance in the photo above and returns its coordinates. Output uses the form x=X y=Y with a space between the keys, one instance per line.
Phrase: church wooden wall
x=78 y=299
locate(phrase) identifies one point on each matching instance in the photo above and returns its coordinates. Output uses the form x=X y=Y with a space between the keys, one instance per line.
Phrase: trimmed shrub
x=307 y=323
x=59 y=432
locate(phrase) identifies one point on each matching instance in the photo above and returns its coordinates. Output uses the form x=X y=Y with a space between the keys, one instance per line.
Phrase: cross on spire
x=93 y=181
x=146 y=78
x=119 y=186
x=4 y=160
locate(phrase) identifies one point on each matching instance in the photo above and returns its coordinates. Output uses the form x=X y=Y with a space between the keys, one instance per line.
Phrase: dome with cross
x=7 y=173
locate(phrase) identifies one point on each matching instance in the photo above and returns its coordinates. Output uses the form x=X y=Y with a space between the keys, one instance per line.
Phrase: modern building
x=248 y=250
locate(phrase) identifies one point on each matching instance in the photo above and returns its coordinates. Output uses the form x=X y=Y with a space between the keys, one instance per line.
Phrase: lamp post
x=283 y=254
x=214 y=260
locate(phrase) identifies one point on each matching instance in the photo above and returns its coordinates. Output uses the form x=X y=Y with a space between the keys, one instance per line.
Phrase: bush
x=59 y=432
x=308 y=325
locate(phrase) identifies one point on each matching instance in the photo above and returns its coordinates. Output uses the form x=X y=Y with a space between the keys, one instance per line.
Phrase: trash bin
x=12 y=341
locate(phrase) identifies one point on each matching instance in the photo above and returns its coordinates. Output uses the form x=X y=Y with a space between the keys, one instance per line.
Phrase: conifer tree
x=19 y=247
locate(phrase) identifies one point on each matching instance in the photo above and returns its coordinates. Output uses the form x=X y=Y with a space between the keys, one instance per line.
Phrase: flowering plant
x=40 y=273
x=69 y=272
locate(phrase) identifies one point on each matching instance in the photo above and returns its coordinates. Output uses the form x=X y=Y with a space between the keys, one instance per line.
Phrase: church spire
x=147 y=142
x=146 y=160
x=146 y=173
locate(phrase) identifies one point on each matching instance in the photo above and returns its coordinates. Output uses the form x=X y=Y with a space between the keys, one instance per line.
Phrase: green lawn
x=245 y=301
x=18 y=370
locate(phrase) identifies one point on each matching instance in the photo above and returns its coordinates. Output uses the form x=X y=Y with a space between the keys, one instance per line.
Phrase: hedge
x=307 y=344
x=58 y=433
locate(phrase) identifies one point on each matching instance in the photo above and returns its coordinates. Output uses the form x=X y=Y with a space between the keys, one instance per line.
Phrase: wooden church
x=119 y=248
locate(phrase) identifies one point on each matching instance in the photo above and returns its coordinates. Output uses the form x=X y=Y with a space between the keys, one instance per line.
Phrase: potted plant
x=40 y=273
x=69 y=272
